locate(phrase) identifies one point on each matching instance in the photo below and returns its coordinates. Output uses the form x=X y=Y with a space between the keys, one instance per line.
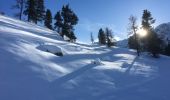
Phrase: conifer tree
x=48 y=19
x=30 y=10
x=154 y=43
x=59 y=22
x=69 y=20
x=101 y=36
x=72 y=37
x=109 y=37
x=35 y=10
x=151 y=42
x=40 y=10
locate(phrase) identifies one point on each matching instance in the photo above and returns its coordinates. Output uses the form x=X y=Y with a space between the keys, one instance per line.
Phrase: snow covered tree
x=48 y=19
x=19 y=5
x=133 y=31
x=102 y=36
x=30 y=10
x=70 y=19
x=91 y=38
x=59 y=22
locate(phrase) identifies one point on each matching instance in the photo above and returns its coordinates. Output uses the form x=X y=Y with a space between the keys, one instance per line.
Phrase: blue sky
x=94 y=14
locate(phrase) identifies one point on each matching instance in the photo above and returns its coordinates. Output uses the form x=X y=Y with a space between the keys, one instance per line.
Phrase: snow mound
x=96 y=61
x=52 y=49
x=107 y=58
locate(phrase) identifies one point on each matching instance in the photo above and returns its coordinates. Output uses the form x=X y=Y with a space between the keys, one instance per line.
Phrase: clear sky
x=94 y=14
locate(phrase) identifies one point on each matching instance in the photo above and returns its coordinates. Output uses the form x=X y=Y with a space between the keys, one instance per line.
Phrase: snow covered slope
x=85 y=72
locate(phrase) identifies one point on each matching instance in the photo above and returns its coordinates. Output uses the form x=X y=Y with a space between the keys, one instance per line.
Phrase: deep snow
x=28 y=72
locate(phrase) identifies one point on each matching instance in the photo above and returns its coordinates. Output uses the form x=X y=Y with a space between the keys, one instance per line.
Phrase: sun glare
x=142 y=32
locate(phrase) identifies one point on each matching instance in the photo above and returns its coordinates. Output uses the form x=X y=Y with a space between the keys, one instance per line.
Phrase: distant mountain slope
x=122 y=43
x=30 y=69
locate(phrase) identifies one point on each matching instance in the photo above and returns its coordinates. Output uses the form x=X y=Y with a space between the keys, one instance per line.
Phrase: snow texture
x=27 y=72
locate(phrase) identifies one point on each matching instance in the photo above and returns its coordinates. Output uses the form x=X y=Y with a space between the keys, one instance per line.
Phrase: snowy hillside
x=164 y=30
x=30 y=70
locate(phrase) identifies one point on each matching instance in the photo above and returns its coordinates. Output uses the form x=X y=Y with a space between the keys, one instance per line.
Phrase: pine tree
x=19 y=5
x=152 y=42
x=92 y=38
x=72 y=37
x=48 y=19
x=133 y=31
x=147 y=20
x=109 y=37
x=40 y=10
x=30 y=10
x=102 y=36
x=69 y=20
x=59 y=22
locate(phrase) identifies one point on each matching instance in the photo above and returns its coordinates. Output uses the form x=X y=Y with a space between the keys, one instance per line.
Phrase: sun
x=142 y=33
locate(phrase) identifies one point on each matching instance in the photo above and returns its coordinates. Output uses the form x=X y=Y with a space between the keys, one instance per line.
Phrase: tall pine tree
x=48 y=19
x=40 y=10
x=101 y=37
x=109 y=37
x=30 y=10
x=35 y=10
x=59 y=22
x=70 y=19
x=151 y=42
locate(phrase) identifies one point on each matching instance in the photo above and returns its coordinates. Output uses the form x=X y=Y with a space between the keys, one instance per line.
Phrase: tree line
x=152 y=42
x=105 y=37
x=35 y=11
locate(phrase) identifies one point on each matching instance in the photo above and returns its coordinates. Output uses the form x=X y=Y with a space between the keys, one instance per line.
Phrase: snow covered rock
x=52 y=49
x=96 y=61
